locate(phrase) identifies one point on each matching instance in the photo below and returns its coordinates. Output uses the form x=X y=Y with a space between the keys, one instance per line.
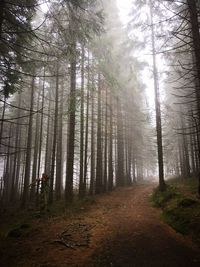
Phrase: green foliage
x=177 y=220
x=160 y=198
x=15 y=36
x=181 y=212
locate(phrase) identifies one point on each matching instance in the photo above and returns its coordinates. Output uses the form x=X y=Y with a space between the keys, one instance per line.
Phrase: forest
x=99 y=133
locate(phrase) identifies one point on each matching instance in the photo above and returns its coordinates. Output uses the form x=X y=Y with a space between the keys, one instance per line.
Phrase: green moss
x=177 y=221
x=178 y=210
x=160 y=198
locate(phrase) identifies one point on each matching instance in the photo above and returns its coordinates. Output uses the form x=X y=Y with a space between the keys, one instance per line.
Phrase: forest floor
x=119 y=229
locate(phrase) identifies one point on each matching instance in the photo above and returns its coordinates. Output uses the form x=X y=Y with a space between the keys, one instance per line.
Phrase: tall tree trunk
x=120 y=179
x=51 y=186
x=7 y=173
x=99 y=180
x=71 y=129
x=2 y=122
x=81 y=181
x=41 y=127
x=59 y=154
x=92 y=161
x=25 y=195
x=110 y=163
x=105 y=178
x=133 y=167
x=86 y=136
x=185 y=152
x=48 y=149
x=35 y=154
x=40 y=139
x=18 y=168
x=17 y=140
x=157 y=107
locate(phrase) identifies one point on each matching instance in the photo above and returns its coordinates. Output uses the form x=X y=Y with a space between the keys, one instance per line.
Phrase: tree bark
x=25 y=195
x=110 y=163
x=81 y=181
x=35 y=155
x=99 y=180
x=86 y=135
x=59 y=153
x=92 y=160
x=157 y=107
x=71 y=129
x=120 y=179
x=51 y=185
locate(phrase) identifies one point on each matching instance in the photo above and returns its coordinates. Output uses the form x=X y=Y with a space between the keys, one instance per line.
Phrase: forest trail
x=121 y=228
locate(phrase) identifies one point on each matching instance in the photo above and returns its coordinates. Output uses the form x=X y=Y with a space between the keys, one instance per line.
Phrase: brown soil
x=121 y=230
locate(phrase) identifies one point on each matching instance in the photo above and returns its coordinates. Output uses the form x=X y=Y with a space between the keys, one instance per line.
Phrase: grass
x=180 y=206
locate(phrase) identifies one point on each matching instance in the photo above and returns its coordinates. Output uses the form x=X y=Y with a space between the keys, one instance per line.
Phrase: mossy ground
x=180 y=206
x=16 y=222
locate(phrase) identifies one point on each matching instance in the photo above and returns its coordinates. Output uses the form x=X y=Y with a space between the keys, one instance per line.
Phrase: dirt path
x=123 y=230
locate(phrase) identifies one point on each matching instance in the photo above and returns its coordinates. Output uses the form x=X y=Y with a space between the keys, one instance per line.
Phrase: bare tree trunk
x=59 y=154
x=48 y=142
x=41 y=127
x=186 y=153
x=25 y=195
x=2 y=121
x=17 y=141
x=81 y=179
x=7 y=173
x=133 y=168
x=99 y=180
x=120 y=179
x=86 y=129
x=51 y=186
x=18 y=168
x=71 y=130
x=110 y=164
x=105 y=176
x=157 y=106
x=35 y=155
x=92 y=161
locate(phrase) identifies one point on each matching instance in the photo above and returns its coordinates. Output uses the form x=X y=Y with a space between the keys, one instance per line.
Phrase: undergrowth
x=20 y=222
x=180 y=207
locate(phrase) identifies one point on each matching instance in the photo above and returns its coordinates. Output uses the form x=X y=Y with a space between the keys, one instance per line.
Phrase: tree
x=15 y=34
x=157 y=105
x=28 y=149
